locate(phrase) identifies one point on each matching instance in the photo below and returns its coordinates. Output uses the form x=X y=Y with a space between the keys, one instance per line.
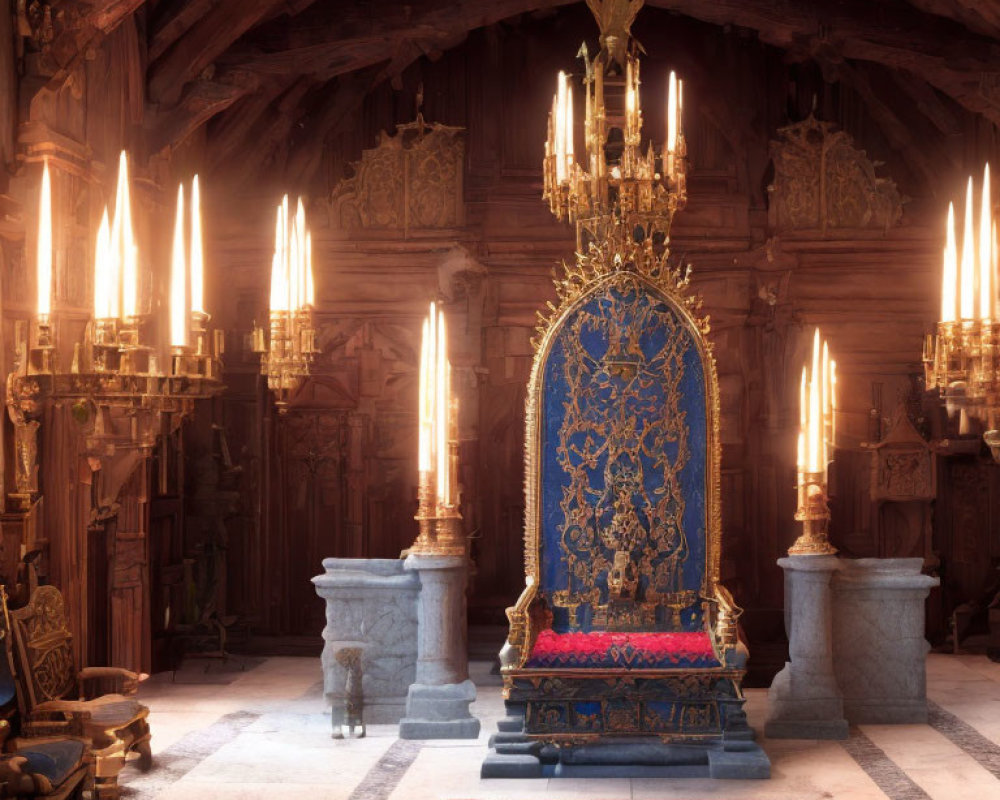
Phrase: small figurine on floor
x=350 y=716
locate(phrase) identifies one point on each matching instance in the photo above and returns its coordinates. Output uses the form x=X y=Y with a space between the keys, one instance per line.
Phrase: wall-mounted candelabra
x=288 y=348
x=437 y=497
x=114 y=379
x=618 y=180
x=962 y=358
x=817 y=432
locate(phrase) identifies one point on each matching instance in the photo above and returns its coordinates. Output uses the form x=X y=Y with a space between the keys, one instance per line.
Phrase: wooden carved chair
x=623 y=647
x=57 y=699
x=53 y=767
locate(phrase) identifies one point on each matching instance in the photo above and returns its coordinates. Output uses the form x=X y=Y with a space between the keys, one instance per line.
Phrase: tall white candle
x=949 y=274
x=985 y=265
x=44 y=264
x=197 y=252
x=672 y=113
x=126 y=257
x=441 y=414
x=178 y=280
x=104 y=290
x=815 y=447
x=967 y=306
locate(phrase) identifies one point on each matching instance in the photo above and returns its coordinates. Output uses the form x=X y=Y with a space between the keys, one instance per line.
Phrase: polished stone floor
x=261 y=732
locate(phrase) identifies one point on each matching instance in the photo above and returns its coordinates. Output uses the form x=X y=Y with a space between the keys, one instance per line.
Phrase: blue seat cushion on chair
x=54 y=760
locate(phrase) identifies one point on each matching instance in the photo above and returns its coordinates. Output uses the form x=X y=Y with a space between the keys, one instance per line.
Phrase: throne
x=623 y=656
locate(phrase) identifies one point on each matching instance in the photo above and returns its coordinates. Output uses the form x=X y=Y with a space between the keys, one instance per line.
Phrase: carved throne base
x=605 y=723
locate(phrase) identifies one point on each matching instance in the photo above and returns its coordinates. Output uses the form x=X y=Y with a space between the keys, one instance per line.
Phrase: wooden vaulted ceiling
x=253 y=68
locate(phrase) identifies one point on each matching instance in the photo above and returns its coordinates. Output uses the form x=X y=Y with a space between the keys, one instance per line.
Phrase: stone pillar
x=878 y=639
x=437 y=703
x=805 y=700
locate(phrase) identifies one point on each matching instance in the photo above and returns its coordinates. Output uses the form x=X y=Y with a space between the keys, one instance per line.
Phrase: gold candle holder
x=814 y=514
x=440 y=525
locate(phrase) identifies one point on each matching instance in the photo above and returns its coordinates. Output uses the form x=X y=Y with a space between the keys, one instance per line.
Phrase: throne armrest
x=723 y=617
x=516 y=648
x=127 y=681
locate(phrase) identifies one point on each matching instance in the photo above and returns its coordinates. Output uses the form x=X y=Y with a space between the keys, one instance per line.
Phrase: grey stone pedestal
x=805 y=700
x=437 y=703
x=878 y=639
x=371 y=606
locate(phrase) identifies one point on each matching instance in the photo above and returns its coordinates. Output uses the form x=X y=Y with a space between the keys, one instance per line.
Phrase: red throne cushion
x=622 y=650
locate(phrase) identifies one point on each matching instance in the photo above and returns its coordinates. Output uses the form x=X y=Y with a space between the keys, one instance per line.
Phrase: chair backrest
x=622 y=486
x=43 y=647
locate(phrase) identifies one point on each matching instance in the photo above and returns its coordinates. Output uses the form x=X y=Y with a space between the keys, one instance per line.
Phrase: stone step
x=510 y=766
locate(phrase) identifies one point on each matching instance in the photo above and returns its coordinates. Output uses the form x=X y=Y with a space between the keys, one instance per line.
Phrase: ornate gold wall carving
x=410 y=180
x=822 y=181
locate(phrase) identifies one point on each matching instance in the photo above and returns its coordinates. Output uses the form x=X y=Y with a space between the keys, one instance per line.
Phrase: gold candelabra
x=817 y=432
x=961 y=362
x=619 y=180
x=288 y=348
x=114 y=384
x=438 y=513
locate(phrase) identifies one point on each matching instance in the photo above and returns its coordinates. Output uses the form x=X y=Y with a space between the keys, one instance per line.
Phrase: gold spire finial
x=614 y=18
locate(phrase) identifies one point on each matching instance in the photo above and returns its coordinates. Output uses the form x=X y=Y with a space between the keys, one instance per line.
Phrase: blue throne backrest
x=623 y=440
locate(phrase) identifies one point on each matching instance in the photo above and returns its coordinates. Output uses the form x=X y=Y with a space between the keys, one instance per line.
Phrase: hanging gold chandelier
x=618 y=180
x=962 y=358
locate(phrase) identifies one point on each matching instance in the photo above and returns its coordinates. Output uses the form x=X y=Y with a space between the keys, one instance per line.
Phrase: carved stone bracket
x=822 y=181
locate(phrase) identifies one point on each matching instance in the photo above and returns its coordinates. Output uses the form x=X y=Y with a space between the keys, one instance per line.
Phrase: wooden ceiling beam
x=356 y=39
x=229 y=129
x=980 y=16
x=241 y=157
x=174 y=23
x=928 y=102
x=963 y=66
x=201 y=101
x=202 y=45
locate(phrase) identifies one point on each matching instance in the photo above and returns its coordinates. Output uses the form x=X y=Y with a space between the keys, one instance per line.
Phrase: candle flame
x=949 y=280
x=815 y=447
x=291 y=265
x=833 y=403
x=424 y=449
x=968 y=265
x=436 y=413
x=276 y=265
x=44 y=265
x=125 y=262
x=672 y=113
x=104 y=289
x=178 y=280
x=560 y=113
x=441 y=413
x=817 y=411
x=197 y=252
x=985 y=265
x=310 y=288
